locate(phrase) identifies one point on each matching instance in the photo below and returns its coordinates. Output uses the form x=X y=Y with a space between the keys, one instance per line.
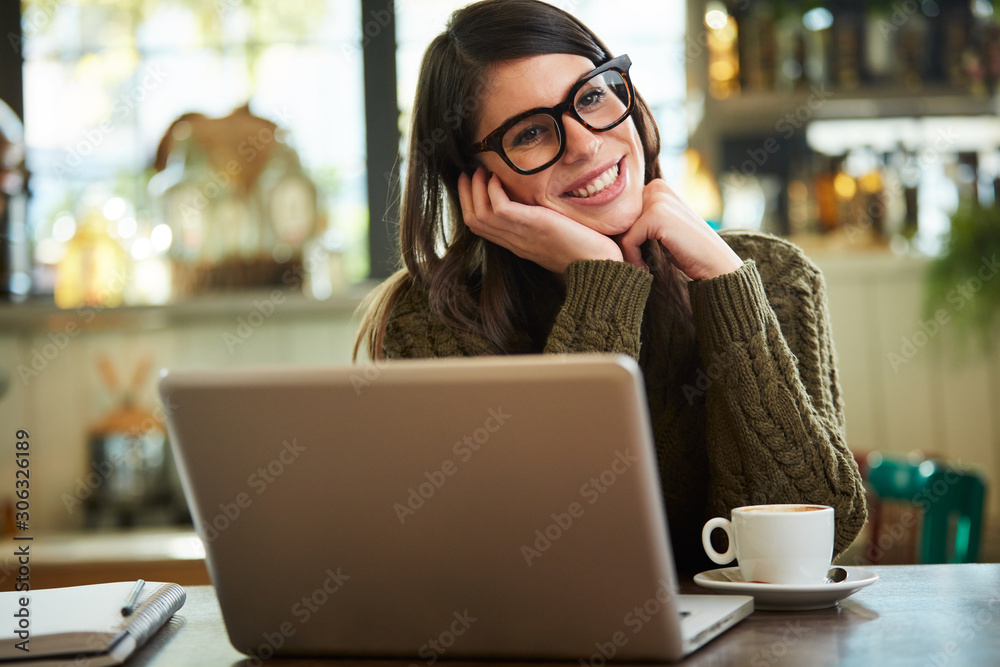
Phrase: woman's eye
x=528 y=136
x=591 y=99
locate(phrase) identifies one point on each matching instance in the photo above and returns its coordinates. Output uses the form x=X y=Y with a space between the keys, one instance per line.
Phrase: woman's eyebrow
x=581 y=78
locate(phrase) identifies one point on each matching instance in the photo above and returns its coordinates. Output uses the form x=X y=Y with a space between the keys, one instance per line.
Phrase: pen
x=133 y=595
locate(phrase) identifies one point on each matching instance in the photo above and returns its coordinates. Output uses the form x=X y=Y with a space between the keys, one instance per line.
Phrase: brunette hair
x=471 y=284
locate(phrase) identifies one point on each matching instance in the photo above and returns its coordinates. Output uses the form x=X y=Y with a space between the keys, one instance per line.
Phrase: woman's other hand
x=694 y=247
x=535 y=233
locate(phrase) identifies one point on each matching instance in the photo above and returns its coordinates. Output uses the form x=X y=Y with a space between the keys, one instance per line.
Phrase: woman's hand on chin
x=535 y=233
x=694 y=247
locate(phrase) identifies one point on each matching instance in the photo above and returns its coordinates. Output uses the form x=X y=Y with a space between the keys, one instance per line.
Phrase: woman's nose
x=581 y=143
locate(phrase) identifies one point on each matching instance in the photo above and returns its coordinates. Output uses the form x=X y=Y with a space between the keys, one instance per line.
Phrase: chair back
x=952 y=499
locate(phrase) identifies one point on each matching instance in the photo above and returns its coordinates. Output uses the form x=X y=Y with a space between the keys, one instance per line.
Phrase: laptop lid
x=488 y=507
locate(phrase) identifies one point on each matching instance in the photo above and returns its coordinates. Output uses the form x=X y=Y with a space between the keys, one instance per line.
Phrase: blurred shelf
x=863 y=265
x=766 y=111
x=73 y=559
x=34 y=316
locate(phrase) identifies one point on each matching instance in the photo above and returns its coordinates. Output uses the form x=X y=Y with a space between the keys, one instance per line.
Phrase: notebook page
x=78 y=619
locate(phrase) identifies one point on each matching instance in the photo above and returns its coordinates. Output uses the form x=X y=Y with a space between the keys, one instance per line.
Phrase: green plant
x=964 y=281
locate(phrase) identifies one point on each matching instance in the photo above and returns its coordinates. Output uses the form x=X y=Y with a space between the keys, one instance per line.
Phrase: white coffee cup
x=776 y=544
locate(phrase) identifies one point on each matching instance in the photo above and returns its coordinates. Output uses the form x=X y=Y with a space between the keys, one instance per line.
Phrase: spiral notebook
x=62 y=626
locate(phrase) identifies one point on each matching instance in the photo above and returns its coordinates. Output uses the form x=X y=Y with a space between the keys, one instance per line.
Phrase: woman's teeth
x=601 y=182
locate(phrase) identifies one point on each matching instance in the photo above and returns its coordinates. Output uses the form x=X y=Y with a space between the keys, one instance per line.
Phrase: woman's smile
x=606 y=187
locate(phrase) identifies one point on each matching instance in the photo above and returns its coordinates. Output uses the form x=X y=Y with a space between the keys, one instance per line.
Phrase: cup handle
x=706 y=540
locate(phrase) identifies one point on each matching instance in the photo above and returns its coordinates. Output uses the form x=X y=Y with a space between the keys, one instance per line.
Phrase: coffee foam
x=784 y=508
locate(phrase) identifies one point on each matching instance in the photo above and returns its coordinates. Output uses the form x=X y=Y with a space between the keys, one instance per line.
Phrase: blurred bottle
x=757 y=48
x=910 y=175
x=827 y=215
x=996 y=181
x=817 y=45
x=94 y=270
x=913 y=45
x=847 y=46
x=790 y=53
x=893 y=198
x=956 y=37
x=802 y=208
x=991 y=56
x=881 y=37
x=871 y=193
x=845 y=189
x=966 y=177
x=15 y=257
x=723 y=51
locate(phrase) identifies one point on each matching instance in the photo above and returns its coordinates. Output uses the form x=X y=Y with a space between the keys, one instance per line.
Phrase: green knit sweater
x=760 y=421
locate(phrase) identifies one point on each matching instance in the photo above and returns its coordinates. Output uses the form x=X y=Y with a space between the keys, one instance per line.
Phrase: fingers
x=503 y=208
x=693 y=246
x=474 y=199
x=480 y=197
x=631 y=245
x=465 y=196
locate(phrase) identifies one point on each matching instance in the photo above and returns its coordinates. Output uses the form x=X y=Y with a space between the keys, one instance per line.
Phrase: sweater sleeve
x=414 y=331
x=602 y=311
x=775 y=420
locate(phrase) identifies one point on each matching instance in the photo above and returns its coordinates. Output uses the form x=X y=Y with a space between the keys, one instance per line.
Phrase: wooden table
x=914 y=616
x=74 y=559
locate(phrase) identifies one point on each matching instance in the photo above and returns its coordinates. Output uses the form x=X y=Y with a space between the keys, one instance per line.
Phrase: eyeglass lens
x=601 y=102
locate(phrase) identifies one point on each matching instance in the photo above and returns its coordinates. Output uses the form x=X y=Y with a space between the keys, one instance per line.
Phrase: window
x=104 y=81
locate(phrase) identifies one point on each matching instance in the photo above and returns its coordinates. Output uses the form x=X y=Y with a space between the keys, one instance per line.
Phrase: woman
x=534 y=219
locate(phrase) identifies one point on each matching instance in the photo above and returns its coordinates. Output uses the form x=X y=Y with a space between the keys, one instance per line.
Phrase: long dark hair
x=471 y=284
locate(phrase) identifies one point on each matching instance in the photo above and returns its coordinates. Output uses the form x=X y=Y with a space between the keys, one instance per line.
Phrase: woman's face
x=613 y=158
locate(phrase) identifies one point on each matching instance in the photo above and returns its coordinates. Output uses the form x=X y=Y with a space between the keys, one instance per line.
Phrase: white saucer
x=778 y=597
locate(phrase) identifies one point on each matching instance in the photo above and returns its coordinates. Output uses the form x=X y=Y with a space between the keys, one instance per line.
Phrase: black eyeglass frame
x=494 y=140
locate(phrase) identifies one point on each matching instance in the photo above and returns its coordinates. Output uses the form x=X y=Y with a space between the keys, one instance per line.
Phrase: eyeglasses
x=535 y=140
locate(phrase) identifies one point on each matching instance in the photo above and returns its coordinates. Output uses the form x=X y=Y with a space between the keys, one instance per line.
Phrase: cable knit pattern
x=762 y=422
x=602 y=311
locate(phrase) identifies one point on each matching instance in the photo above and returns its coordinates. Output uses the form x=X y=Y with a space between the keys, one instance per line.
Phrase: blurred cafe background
x=209 y=184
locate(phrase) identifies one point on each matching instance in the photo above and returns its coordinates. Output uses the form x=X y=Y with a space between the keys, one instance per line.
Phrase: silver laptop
x=503 y=507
